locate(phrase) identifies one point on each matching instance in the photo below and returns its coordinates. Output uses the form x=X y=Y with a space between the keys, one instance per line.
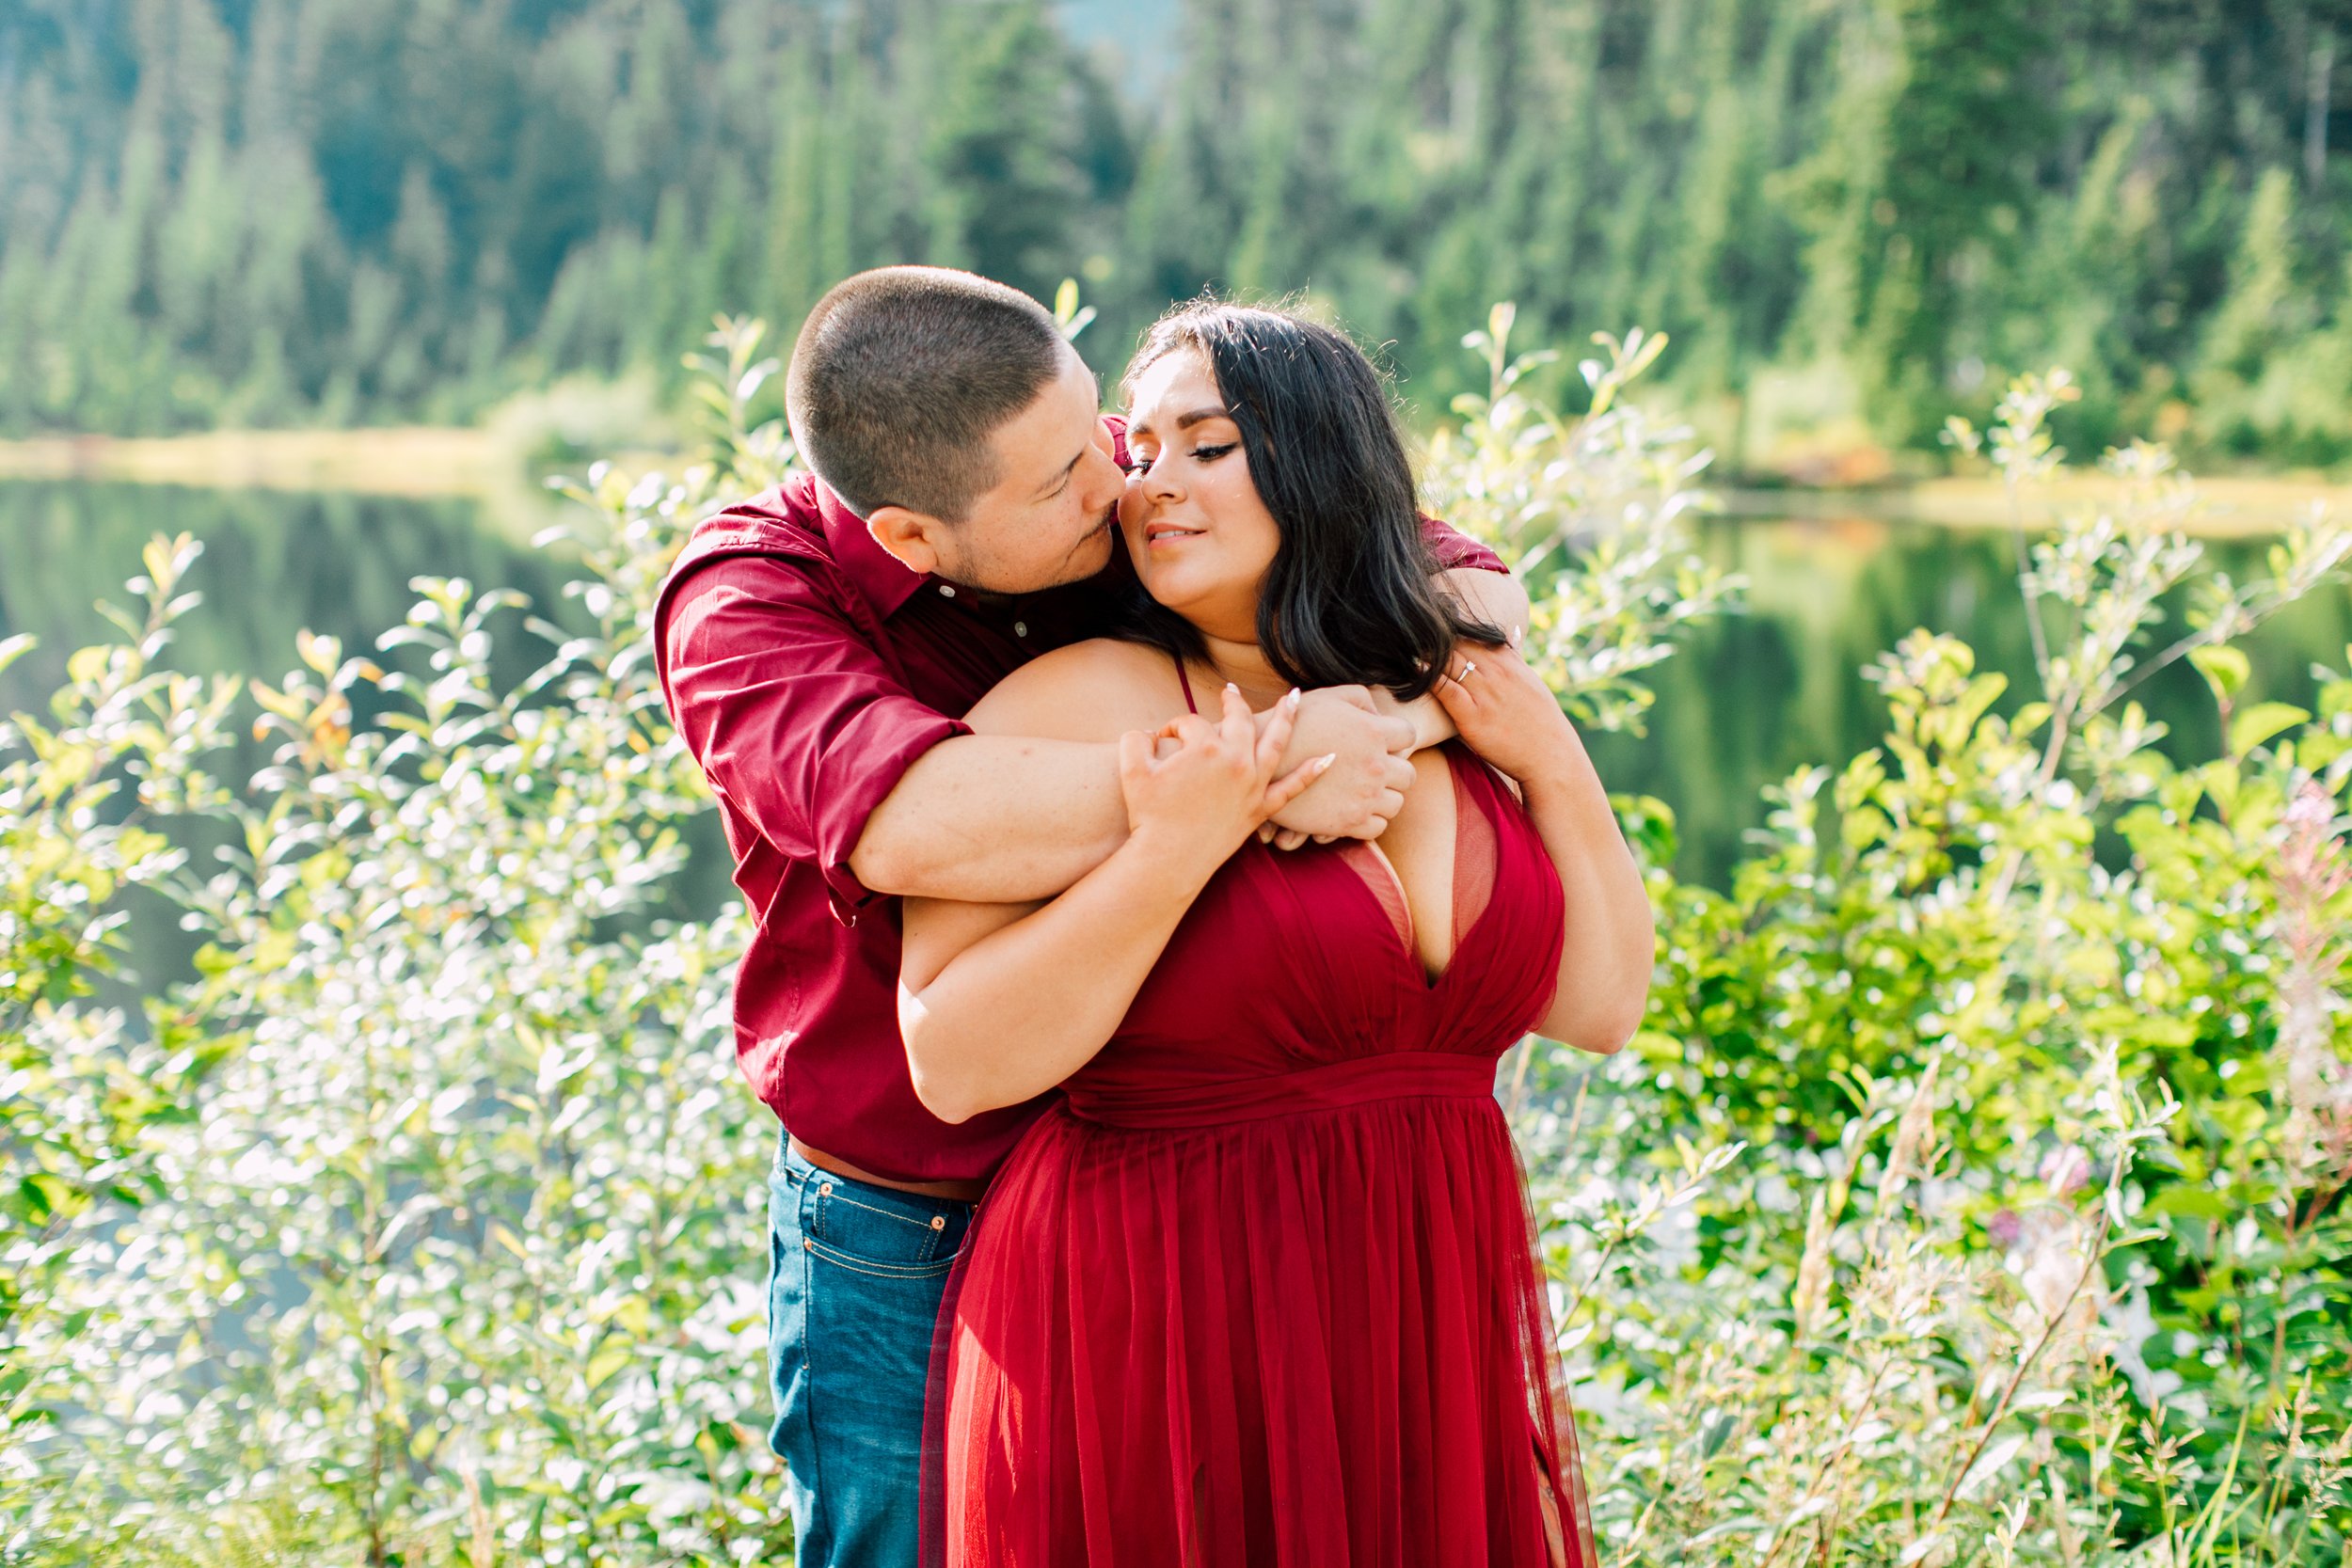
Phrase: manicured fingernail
x=1291 y=701
x=1326 y=760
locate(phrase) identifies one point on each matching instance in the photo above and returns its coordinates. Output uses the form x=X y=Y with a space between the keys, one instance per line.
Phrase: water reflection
x=1748 y=700
x=1754 y=697
x=273 y=563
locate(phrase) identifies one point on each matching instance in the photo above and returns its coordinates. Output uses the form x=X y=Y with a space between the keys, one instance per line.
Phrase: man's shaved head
x=901 y=374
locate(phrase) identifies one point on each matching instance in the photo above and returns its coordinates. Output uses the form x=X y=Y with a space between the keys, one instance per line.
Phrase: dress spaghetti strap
x=1185 y=681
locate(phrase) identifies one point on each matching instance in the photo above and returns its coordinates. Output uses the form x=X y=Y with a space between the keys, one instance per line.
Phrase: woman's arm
x=1508 y=716
x=999 y=1003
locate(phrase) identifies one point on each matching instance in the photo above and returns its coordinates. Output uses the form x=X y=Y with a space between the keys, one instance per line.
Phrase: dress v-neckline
x=1407 y=941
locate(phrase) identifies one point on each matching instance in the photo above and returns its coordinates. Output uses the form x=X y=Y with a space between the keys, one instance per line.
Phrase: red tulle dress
x=1263 y=1290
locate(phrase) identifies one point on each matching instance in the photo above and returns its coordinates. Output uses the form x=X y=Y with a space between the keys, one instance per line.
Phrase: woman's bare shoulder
x=1091 y=690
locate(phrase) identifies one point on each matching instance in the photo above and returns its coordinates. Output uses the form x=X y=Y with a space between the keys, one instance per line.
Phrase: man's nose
x=1106 y=482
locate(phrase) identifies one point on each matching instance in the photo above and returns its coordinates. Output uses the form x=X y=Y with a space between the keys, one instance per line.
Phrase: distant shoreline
x=2228 y=506
x=430 y=462
x=418 y=460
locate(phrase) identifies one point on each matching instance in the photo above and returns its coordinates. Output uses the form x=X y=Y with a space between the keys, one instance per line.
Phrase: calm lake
x=1748 y=700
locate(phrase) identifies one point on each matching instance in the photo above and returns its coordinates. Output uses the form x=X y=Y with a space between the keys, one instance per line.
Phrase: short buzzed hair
x=901 y=374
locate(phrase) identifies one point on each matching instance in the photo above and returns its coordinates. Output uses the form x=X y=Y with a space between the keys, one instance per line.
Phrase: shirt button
x=946 y=591
x=1021 y=628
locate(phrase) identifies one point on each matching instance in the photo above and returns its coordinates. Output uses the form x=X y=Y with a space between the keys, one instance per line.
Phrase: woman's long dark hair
x=1350 y=598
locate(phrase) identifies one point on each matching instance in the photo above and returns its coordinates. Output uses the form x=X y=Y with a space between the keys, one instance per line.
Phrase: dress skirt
x=1286 y=1322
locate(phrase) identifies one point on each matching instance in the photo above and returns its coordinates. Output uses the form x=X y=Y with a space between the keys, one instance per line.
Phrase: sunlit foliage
x=1974 y=1192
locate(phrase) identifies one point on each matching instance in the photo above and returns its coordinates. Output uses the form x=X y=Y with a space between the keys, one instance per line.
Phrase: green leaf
x=43 y=1195
x=605 y=1362
x=86 y=664
x=2196 y=1203
x=1714 y=1430
x=1989 y=1464
x=2220 y=781
x=2261 y=722
x=2225 y=668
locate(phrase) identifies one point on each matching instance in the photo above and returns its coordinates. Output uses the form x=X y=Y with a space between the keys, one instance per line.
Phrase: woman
x=1261 y=1291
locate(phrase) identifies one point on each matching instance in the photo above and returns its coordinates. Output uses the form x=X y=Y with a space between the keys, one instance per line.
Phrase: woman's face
x=1200 y=537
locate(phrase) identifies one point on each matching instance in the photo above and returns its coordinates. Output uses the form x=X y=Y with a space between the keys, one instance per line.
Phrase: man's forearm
x=994 y=819
x=1432 y=724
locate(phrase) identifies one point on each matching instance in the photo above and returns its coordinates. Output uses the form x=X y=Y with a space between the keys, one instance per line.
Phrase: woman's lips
x=1162 y=533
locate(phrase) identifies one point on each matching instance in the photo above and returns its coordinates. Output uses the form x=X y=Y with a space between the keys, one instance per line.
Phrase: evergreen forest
x=1856 y=216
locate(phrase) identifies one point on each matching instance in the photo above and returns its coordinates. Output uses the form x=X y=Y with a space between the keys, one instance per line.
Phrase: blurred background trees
x=1859 y=215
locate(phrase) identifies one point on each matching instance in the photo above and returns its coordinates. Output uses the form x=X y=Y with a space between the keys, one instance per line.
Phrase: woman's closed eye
x=1145 y=457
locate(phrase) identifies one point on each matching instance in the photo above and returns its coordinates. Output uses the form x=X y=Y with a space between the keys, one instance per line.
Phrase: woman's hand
x=1196 y=790
x=1506 y=713
x=1058 y=978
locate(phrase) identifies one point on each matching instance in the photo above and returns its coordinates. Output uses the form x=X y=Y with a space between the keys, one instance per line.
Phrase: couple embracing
x=1154 y=839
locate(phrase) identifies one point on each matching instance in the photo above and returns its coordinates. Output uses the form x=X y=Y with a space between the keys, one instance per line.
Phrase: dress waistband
x=1391 y=1075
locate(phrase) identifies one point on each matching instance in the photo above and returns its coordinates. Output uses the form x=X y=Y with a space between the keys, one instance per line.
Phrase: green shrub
x=1973 y=1194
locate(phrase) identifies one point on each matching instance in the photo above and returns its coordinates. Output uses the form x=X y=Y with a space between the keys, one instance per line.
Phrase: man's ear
x=911 y=538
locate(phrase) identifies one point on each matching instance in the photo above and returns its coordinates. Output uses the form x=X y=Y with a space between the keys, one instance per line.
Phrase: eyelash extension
x=1206 y=454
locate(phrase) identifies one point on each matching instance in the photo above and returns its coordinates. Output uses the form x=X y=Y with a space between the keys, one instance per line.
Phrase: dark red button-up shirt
x=806 y=670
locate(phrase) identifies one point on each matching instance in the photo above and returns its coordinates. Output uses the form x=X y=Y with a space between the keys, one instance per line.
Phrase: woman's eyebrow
x=1184 y=421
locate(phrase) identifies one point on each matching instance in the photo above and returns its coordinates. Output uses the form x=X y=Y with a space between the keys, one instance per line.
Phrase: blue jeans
x=855 y=1274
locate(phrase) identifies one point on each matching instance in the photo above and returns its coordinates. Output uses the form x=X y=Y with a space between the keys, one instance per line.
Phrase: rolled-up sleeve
x=795 y=716
x=1454 y=548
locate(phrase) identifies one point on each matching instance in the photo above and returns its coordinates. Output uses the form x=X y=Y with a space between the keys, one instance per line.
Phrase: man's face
x=1051 y=515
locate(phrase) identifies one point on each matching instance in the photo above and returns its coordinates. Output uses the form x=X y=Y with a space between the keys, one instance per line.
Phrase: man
x=815 y=644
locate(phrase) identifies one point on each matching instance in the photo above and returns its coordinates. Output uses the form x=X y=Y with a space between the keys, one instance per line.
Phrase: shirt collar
x=877 y=573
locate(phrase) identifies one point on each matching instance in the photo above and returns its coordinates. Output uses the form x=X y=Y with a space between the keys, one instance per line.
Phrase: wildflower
x=2066 y=1170
x=1813 y=1270
x=1914 y=1136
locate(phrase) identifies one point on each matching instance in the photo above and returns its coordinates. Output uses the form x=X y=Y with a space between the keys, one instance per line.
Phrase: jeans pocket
x=877 y=1232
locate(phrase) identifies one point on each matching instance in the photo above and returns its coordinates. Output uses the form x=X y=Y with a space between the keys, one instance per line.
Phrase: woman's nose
x=1157 y=482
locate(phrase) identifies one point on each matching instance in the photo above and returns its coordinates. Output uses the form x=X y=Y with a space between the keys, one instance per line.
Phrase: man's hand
x=1372 y=768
